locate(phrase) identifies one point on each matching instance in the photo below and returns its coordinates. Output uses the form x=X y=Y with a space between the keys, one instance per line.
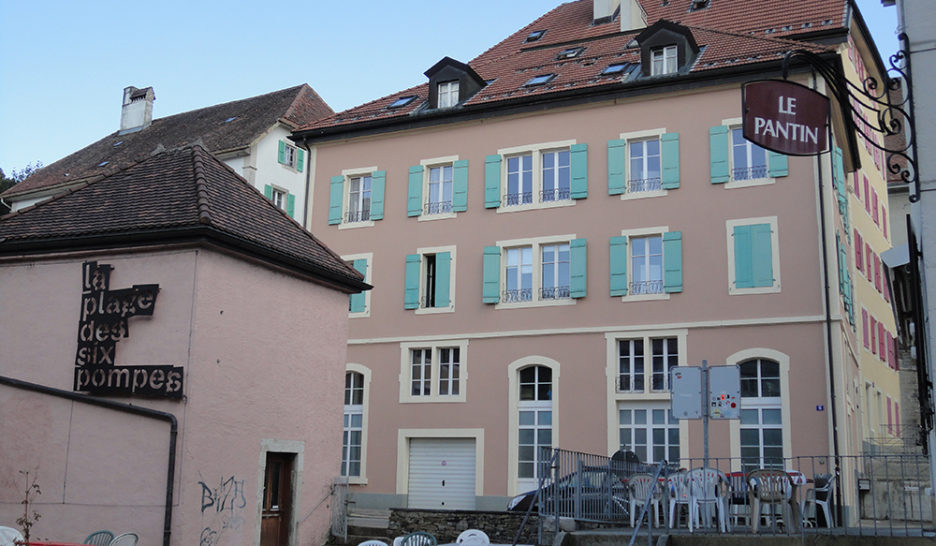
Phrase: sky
x=64 y=64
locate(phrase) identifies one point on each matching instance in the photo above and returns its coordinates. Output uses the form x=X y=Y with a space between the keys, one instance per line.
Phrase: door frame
x=289 y=447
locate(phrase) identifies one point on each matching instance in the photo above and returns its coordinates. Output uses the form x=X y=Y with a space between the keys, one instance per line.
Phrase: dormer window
x=448 y=94
x=539 y=80
x=570 y=53
x=402 y=101
x=535 y=35
x=663 y=60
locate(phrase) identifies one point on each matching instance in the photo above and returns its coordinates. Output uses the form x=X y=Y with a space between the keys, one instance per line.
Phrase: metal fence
x=873 y=495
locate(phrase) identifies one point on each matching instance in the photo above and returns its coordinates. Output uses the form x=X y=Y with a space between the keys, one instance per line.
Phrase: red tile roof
x=174 y=196
x=729 y=33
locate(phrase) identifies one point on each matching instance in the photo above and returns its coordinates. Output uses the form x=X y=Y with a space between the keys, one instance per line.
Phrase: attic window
x=535 y=35
x=230 y=119
x=539 y=80
x=616 y=68
x=698 y=4
x=448 y=94
x=102 y=163
x=663 y=60
x=570 y=53
x=118 y=143
x=402 y=101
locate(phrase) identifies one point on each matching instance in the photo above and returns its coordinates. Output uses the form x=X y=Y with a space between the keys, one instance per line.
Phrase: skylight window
x=402 y=101
x=118 y=143
x=539 y=80
x=102 y=163
x=535 y=35
x=230 y=119
x=570 y=53
x=698 y=4
x=617 y=68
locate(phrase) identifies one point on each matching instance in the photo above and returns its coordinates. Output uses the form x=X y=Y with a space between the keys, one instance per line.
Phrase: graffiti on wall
x=222 y=506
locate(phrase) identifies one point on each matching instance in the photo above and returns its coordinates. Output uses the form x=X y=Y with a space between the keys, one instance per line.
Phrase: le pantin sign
x=785 y=117
x=105 y=316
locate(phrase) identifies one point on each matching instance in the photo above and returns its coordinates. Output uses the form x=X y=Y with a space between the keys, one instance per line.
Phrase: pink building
x=553 y=226
x=173 y=355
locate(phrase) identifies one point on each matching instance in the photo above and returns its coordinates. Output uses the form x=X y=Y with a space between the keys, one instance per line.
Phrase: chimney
x=603 y=10
x=632 y=15
x=137 y=111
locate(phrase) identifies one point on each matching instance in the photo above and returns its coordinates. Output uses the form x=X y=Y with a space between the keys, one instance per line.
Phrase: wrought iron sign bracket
x=891 y=116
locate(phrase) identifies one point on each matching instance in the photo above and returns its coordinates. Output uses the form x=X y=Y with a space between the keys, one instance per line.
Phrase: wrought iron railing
x=639 y=185
x=358 y=216
x=556 y=194
x=438 y=207
x=512 y=199
x=637 y=288
x=749 y=173
x=517 y=295
x=554 y=293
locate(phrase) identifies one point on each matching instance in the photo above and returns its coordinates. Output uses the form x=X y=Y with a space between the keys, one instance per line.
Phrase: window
x=448 y=94
x=281 y=198
x=359 y=303
x=433 y=373
x=438 y=188
x=429 y=281
x=737 y=162
x=353 y=424
x=632 y=358
x=646 y=263
x=753 y=256
x=643 y=164
x=570 y=53
x=548 y=270
x=356 y=197
x=535 y=35
x=290 y=156
x=761 y=415
x=402 y=101
x=534 y=421
x=536 y=176
x=539 y=80
x=618 y=68
x=663 y=60
x=649 y=431
x=748 y=160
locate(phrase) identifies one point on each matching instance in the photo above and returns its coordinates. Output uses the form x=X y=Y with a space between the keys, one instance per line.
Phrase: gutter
x=125 y=408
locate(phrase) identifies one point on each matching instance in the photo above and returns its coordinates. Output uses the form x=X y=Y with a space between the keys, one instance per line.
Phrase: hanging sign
x=785 y=117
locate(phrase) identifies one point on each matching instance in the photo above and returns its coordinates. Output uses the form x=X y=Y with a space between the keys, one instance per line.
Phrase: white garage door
x=442 y=473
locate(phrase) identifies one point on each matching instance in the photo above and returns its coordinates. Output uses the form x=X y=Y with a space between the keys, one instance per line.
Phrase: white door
x=442 y=473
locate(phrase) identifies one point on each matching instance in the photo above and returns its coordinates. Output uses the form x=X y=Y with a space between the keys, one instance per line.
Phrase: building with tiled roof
x=555 y=224
x=250 y=135
x=174 y=345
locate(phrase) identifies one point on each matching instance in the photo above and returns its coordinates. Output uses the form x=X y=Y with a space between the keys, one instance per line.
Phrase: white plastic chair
x=9 y=536
x=473 y=536
x=125 y=539
x=707 y=486
x=769 y=487
x=820 y=497
x=373 y=542
x=677 y=487
x=640 y=487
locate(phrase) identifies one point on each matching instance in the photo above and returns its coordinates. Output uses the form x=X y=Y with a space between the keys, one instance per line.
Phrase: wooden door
x=277 y=514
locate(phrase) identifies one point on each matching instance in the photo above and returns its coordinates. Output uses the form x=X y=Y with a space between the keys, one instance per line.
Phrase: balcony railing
x=558 y=194
x=554 y=293
x=749 y=173
x=512 y=199
x=517 y=295
x=438 y=207
x=637 y=288
x=358 y=216
x=640 y=185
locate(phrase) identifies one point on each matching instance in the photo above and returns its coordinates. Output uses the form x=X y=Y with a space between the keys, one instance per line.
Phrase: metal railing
x=357 y=216
x=517 y=295
x=557 y=194
x=438 y=207
x=639 y=185
x=637 y=288
x=554 y=293
x=749 y=173
x=518 y=198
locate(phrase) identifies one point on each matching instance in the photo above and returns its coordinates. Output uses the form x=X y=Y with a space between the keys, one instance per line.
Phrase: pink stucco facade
x=263 y=355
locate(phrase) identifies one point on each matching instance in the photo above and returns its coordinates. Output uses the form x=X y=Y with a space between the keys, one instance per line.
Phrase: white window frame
x=536 y=152
x=279 y=197
x=664 y=60
x=774 y=249
x=368 y=276
x=423 y=251
x=737 y=123
x=350 y=411
x=447 y=95
x=365 y=407
x=427 y=165
x=631 y=399
x=434 y=347
x=348 y=174
x=535 y=245
x=640 y=136
x=670 y=424
x=636 y=234
x=514 y=483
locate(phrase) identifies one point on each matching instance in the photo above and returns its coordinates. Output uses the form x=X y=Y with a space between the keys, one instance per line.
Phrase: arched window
x=761 y=415
x=352 y=436
x=534 y=422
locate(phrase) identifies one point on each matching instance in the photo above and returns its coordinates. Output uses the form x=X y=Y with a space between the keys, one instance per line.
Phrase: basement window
x=535 y=35
x=539 y=80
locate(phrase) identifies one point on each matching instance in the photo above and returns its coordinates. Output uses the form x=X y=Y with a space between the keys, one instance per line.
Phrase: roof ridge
x=220 y=104
x=779 y=40
x=201 y=185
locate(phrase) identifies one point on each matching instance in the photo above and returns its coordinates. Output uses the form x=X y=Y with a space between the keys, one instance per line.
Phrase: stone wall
x=446 y=525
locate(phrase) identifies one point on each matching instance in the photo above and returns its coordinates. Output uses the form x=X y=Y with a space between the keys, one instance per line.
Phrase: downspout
x=127 y=408
x=308 y=185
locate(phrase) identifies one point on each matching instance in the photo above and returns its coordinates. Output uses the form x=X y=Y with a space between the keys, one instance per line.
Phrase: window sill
x=442 y=216
x=536 y=206
x=355 y=225
x=646 y=297
x=436 y=399
x=356 y=480
x=362 y=314
x=751 y=182
x=627 y=196
x=642 y=395
x=775 y=289
x=434 y=310
x=538 y=303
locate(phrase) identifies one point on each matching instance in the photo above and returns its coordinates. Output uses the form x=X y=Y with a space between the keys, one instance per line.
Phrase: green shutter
x=291 y=205
x=411 y=281
x=578 y=266
x=300 y=159
x=719 y=147
x=414 y=203
x=579 y=159
x=335 y=200
x=777 y=165
x=492 y=182
x=617 y=167
x=378 y=187
x=617 y=264
x=443 y=277
x=357 y=300
x=491 y=275
x=460 y=186
x=744 y=274
x=669 y=150
x=281 y=156
x=672 y=262
x=761 y=255
x=268 y=192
